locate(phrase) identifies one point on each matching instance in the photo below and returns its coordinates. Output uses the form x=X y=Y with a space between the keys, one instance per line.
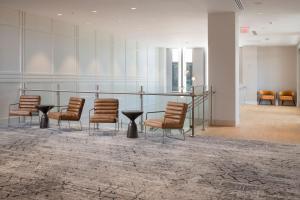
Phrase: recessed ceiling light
x=59 y=14
x=133 y=8
x=94 y=11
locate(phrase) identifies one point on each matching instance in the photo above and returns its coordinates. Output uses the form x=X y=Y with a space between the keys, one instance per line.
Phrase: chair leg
x=30 y=120
x=182 y=131
x=80 y=125
x=59 y=124
x=164 y=131
x=69 y=124
x=89 y=128
x=8 y=122
x=145 y=127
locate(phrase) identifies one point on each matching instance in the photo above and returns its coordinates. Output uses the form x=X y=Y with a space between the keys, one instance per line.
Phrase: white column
x=223 y=67
x=298 y=76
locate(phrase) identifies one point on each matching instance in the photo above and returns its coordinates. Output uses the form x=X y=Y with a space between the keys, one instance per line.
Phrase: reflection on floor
x=268 y=123
x=70 y=165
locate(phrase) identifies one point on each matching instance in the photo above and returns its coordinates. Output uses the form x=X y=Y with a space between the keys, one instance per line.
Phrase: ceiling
x=174 y=22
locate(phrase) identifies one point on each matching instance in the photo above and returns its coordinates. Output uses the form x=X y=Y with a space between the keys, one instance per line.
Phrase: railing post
x=142 y=107
x=203 y=109
x=97 y=92
x=211 y=96
x=193 y=111
x=23 y=92
x=97 y=96
x=58 y=96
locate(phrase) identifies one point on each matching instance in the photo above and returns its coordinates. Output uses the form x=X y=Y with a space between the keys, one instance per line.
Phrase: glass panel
x=175 y=76
x=189 y=76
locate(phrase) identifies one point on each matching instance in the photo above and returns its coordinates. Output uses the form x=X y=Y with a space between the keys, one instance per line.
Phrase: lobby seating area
x=150 y=100
x=272 y=97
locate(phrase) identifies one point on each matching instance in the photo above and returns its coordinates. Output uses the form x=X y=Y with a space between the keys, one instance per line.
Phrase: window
x=182 y=70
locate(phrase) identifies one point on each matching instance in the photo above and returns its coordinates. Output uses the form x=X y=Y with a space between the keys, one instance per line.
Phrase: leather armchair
x=105 y=111
x=72 y=112
x=287 y=96
x=173 y=119
x=266 y=95
x=26 y=107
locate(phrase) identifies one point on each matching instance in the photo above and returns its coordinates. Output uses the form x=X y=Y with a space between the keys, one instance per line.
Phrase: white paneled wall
x=44 y=52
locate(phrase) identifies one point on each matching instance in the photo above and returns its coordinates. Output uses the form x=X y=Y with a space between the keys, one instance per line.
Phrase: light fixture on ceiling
x=133 y=8
x=59 y=14
x=94 y=11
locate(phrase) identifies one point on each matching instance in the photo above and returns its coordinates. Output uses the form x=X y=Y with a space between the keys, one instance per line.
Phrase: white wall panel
x=9 y=48
x=9 y=17
x=64 y=55
x=131 y=70
x=38 y=23
x=38 y=52
x=119 y=57
x=104 y=54
x=87 y=55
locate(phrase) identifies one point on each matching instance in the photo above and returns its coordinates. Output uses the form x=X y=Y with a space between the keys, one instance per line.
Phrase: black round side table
x=132 y=115
x=44 y=123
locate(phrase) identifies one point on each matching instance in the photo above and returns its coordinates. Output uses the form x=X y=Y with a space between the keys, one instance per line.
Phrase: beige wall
x=269 y=68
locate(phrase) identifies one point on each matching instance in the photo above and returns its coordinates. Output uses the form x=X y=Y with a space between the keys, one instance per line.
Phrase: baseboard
x=251 y=102
x=226 y=123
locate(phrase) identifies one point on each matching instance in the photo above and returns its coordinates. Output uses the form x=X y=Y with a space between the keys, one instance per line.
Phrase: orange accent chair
x=72 y=111
x=266 y=95
x=173 y=119
x=26 y=107
x=287 y=96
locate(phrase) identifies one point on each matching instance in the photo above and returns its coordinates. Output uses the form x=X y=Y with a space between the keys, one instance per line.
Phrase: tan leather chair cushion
x=286 y=98
x=267 y=97
x=100 y=118
x=20 y=113
x=106 y=111
x=29 y=102
x=173 y=119
x=63 y=116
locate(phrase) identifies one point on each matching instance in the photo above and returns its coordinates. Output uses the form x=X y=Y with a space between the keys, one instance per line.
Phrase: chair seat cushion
x=20 y=113
x=157 y=123
x=63 y=116
x=160 y=123
x=267 y=97
x=100 y=118
x=286 y=98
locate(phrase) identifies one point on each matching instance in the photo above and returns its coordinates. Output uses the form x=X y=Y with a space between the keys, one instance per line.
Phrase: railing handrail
x=121 y=93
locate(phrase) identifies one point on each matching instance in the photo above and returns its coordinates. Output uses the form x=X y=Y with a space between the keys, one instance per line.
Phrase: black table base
x=132 y=115
x=132 y=130
x=44 y=123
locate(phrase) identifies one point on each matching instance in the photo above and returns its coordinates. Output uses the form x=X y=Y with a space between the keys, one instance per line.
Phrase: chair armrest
x=162 y=111
x=90 y=110
x=13 y=104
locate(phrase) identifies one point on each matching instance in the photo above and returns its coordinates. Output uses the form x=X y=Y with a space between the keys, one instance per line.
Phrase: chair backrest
x=287 y=93
x=76 y=106
x=29 y=102
x=109 y=107
x=175 y=113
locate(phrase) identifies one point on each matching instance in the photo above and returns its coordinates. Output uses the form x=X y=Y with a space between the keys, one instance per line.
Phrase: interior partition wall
x=50 y=54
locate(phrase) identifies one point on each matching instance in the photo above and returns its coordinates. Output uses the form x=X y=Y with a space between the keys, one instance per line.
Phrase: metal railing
x=196 y=99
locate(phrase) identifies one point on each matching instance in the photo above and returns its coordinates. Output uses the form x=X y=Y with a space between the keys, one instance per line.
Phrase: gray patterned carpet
x=46 y=164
